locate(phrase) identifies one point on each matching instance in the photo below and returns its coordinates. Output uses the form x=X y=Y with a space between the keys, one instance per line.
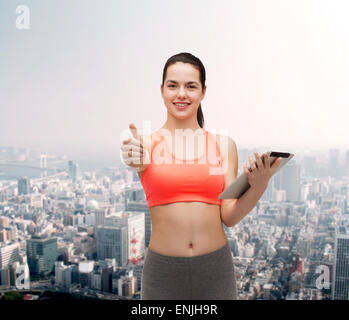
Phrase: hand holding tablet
x=241 y=184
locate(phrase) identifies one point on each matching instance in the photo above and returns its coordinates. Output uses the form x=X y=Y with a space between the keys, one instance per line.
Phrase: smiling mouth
x=181 y=106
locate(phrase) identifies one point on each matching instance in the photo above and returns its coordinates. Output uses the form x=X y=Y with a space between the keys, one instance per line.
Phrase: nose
x=181 y=92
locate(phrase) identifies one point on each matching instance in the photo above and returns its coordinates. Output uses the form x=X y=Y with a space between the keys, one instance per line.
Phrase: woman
x=188 y=255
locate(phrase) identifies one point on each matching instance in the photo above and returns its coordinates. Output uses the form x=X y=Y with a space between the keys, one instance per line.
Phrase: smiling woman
x=189 y=255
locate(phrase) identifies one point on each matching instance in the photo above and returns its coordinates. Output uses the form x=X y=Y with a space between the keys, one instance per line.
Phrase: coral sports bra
x=168 y=179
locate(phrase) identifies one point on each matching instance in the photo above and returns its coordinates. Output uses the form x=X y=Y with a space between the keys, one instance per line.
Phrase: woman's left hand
x=259 y=176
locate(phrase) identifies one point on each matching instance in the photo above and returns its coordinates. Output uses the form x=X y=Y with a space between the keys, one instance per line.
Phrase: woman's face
x=182 y=86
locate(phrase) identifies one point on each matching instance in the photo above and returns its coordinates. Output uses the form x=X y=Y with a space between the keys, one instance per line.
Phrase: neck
x=186 y=124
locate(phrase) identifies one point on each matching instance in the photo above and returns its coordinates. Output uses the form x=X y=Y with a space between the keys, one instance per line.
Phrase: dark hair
x=187 y=57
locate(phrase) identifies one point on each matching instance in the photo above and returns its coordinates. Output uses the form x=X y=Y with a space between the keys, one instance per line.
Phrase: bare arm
x=234 y=210
x=237 y=209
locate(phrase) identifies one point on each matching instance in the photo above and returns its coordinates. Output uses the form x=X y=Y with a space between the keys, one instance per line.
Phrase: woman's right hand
x=134 y=152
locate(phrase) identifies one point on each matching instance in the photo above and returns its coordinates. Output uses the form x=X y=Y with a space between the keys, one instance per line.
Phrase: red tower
x=135 y=256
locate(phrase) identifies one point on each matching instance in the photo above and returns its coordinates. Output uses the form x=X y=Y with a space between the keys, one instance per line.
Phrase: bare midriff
x=186 y=228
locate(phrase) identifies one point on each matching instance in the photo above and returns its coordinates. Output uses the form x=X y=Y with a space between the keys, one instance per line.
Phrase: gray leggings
x=208 y=276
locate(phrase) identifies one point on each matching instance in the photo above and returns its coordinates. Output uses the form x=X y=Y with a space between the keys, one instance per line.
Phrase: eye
x=171 y=85
x=192 y=87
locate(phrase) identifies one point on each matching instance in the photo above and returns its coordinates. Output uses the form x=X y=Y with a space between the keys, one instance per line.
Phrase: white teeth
x=181 y=105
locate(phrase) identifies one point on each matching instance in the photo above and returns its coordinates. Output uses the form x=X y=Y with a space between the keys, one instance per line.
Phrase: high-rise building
x=9 y=253
x=268 y=194
x=23 y=185
x=134 y=222
x=106 y=277
x=73 y=170
x=334 y=166
x=277 y=180
x=5 y=277
x=142 y=206
x=42 y=253
x=310 y=166
x=290 y=180
x=85 y=273
x=340 y=285
x=63 y=274
x=106 y=268
x=43 y=164
x=96 y=279
x=346 y=163
x=127 y=284
x=99 y=216
x=112 y=243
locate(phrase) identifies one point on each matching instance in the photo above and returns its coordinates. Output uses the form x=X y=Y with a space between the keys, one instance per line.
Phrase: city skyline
x=90 y=232
x=31 y=158
x=73 y=85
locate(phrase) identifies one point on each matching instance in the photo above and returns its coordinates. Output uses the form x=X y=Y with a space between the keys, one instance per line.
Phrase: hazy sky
x=277 y=71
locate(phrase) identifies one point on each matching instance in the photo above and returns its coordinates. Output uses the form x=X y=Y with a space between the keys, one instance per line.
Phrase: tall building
x=100 y=216
x=134 y=222
x=85 y=273
x=340 y=285
x=5 y=276
x=310 y=166
x=43 y=165
x=268 y=194
x=106 y=277
x=334 y=166
x=73 y=170
x=142 y=206
x=42 y=253
x=112 y=243
x=96 y=279
x=23 y=185
x=9 y=253
x=277 y=179
x=291 y=180
x=127 y=284
x=63 y=274
x=106 y=268
x=346 y=163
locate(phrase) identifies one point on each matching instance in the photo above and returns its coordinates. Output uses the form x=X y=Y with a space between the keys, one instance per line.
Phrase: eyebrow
x=189 y=82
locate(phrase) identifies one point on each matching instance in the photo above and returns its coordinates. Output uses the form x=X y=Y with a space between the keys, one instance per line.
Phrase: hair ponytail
x=200 y=117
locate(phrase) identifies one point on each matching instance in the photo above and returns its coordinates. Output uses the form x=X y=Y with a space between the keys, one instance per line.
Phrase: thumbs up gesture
x=134 y=152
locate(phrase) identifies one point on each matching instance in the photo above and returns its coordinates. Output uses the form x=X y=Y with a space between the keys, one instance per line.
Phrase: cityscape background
x=86 y=233
x=74 y=220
